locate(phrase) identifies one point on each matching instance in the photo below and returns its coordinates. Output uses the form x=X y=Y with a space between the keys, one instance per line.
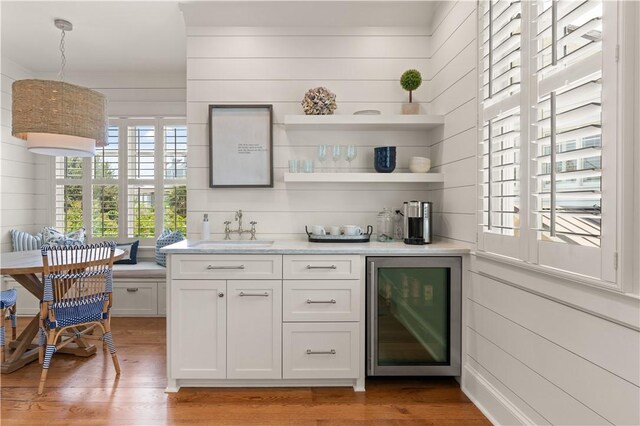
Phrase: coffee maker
x=417 y=222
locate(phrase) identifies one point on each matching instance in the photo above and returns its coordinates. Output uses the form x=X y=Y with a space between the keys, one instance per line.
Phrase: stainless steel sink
x=213 y=244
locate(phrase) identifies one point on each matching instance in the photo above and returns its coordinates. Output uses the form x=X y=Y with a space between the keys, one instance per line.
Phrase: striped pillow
x=23 y=241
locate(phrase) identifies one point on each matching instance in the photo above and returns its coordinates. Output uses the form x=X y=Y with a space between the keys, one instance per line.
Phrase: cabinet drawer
x=321 y=267
x=327 y=300
x=320 y=350
x=226 y=267
x=135 y=298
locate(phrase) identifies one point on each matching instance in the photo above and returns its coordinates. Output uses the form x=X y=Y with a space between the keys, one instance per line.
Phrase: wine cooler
x=413 y=316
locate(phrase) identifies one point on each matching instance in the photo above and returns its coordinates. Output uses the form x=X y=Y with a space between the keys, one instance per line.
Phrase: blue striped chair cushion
x=23 y=241
x=70 y=313
x=8 y=298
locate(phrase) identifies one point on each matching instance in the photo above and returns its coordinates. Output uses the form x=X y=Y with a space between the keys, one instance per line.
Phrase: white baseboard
x=490 y=401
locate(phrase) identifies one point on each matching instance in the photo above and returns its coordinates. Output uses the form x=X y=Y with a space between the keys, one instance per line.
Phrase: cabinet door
x=254 y=321
x=197 y=344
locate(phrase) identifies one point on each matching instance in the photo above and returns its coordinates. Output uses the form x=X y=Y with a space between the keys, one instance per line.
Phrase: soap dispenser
x=206 y=234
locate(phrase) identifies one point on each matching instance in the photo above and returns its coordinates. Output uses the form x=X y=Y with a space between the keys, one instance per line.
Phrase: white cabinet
x=320 y=350
x=135 y=298
x=162 y=298
x=259 y=319
x=254 y=319
x=226 y=267
x=321 y=313
x=327 y=300
x=321 y=267
x=198 y=329
x=226 y=329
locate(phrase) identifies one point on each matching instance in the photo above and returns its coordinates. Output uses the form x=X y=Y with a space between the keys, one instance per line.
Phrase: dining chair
x=77 y=298
x=7 y=301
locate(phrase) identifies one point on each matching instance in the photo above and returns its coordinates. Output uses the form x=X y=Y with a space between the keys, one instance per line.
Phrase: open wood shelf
x=363 y=122
x=365 y=177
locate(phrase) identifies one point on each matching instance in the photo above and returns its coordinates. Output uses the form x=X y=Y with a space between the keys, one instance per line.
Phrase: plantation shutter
x=500 y=124
x=568 y=201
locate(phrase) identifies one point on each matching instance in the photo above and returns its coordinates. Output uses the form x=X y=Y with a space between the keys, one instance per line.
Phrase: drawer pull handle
x=225 y=267
x=333 y=301
x=243 y=294
x=322 y=267
x=132 y=290
x=331 y=352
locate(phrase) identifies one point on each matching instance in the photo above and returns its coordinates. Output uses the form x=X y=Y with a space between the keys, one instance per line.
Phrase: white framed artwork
x=240 y=146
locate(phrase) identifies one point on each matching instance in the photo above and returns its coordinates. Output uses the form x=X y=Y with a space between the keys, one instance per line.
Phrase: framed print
x=240 y=146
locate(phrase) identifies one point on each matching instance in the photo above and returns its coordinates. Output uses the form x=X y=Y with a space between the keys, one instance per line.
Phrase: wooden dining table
x=26 y=268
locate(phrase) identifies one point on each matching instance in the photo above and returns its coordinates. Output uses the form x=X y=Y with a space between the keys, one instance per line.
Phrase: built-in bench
x=138 y=290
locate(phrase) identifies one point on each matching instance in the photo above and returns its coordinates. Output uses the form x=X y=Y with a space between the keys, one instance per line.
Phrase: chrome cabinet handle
x=333 y=301
x=225 y=267
x=243 y=294
x=331 y=352
x=132 y=290
x=322 y=267
x=221 y=294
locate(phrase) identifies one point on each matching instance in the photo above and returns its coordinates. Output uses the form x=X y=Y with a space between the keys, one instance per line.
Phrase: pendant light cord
x=63 y=58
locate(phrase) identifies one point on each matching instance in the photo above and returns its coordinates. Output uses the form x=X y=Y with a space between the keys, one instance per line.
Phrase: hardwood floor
x=85 y=391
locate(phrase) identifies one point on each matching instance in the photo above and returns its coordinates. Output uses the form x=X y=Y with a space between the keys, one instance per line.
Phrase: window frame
x=87 y=181
x=561 y=258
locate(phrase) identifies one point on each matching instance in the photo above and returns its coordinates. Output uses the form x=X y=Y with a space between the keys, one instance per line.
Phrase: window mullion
x=159 y=175
x=123 y=176
x=87 y=197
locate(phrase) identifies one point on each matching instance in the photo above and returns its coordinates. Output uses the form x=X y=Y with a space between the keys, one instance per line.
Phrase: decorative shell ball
x=319 y=101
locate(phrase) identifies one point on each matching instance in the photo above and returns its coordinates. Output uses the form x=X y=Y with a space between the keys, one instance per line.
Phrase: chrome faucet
x=239 y=231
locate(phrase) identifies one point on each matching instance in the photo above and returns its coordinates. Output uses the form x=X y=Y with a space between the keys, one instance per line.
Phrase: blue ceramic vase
x=385 y=159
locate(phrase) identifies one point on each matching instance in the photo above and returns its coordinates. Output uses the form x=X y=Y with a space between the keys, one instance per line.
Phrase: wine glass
x=322 y=155
x=350 y=154
x=336 y=153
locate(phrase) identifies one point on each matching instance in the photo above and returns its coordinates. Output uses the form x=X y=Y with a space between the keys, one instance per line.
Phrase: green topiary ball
x=411 y=80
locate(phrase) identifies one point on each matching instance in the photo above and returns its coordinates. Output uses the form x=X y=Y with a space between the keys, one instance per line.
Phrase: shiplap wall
x=276 y=66
x=537 y=350
x=135 y=94
x=452 y=92
x=24 y=203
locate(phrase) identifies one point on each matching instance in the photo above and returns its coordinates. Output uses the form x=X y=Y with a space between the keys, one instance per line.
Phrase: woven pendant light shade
x=57 y=118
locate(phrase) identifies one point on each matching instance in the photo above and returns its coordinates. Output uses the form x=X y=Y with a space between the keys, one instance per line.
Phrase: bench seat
x=144 y=269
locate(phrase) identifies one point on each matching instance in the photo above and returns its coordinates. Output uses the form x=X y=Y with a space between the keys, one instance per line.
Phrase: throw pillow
x=130 y=253
x=167 y=237
x=54 y=237
x=23 y=241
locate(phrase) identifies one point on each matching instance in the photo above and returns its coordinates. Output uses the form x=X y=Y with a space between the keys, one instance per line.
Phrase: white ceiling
x=309 y=13
x=107 y=36
x=150 y=36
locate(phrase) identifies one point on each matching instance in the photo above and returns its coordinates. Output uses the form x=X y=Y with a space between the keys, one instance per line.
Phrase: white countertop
x=305 y=247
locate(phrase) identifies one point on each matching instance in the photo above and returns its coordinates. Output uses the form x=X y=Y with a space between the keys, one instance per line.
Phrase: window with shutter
x=500 y=60
x=132 y=187
x=544 y=176
x=175 y=174
x=104 y=206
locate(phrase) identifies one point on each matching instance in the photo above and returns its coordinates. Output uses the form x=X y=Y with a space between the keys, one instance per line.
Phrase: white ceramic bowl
x=419 y=164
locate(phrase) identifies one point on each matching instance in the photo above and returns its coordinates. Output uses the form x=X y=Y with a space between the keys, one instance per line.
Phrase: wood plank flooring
x=86 y=391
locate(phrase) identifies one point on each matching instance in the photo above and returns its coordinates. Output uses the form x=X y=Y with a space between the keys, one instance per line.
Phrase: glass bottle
x=384 y=228
x=398 y=226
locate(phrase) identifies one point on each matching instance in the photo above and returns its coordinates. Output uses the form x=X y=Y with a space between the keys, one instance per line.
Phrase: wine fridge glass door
x=414 y=316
